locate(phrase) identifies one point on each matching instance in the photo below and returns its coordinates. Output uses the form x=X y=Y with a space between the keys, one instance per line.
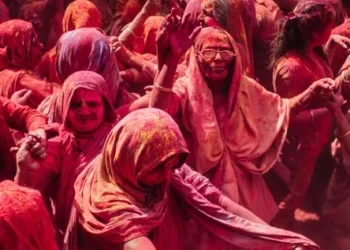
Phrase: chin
x=218 y=77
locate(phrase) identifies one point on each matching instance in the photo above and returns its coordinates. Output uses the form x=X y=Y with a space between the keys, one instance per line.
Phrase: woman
x=20 y=118
x=24 y=221
x=88 y=117
x=299 y=60
x=237 y=17
x=79 y=14
x=23 y=51
x=86 y=49
x=46 y=17
x=138 y=193
x=235 y=129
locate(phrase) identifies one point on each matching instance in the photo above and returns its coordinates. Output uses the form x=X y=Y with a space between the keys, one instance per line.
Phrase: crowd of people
x=174 y=124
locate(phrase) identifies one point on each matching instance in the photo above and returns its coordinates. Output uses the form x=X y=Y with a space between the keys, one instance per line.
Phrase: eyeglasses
x=210 y=54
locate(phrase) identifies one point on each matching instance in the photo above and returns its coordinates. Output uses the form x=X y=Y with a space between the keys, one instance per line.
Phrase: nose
x=84 y=109
x=217 y=57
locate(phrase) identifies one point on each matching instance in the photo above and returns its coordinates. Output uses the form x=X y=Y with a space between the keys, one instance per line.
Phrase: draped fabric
x=86 y=49
x=239 y=144
x=46 y=17
x=24 y=221
x=70 y=152
x=114 y=208
x=80 y=14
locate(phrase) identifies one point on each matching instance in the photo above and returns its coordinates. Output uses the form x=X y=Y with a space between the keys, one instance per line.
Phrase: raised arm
x=174 y=39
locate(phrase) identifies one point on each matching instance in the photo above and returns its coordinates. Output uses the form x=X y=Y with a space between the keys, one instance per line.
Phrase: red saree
x=24 y=221
x=237 y=145
x=113 y=208
x=69 y=153
x=20 y=39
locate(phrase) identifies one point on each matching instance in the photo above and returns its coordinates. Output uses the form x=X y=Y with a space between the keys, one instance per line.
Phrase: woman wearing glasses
x=233 y=127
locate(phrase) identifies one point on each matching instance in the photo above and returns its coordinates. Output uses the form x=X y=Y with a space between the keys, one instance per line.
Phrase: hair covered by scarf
x=111 y=203
x=17 y=36
x=24 y=221
x=138 y=144
x=88 y=49
x=80 y=14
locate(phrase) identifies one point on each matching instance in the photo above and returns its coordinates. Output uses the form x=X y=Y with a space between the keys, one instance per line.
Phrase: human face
x=217 y=67
x=161 y=172
x=86 y=111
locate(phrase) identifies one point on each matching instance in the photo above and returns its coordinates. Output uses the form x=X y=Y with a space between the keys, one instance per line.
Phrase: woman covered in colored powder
x=234 y=128
x=139 y=194
x=88 y=117
x=22 y=49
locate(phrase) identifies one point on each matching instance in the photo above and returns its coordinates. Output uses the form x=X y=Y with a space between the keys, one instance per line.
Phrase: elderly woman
x=88 y=117
x=86 y=49
x=235 y=129
x=139 y=194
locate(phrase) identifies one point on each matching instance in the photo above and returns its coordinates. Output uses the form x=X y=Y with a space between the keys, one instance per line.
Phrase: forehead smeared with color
x=212 y=38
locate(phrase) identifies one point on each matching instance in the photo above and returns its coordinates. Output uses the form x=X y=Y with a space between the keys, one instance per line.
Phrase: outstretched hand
x=342 y=41
x=175 y=34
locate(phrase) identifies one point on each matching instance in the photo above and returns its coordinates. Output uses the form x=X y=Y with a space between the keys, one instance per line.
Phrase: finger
x=27 y=96
x=39 y=153
x=195 y=33
x=21 y=92
x=14 y=150
x=186 y=23
x=35 y=148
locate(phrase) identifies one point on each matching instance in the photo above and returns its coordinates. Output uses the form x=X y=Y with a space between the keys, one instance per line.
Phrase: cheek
x=71 y=117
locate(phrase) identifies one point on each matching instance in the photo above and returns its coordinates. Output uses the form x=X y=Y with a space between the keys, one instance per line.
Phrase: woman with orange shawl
x=234 y=128
x=23 y=51
x=24 y=220
x=299 y=60
x=138 y=193
x=79 y=14
x=86 y=49
x=88 y=117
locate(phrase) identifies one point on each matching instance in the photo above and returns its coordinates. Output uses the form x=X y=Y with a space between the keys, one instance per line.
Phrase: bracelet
x=163 y=89
x=344 y=135
x=343 y=78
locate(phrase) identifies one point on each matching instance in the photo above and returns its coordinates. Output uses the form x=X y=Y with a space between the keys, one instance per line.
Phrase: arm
x=21 y=117
x=139 y=243
x=333 y=42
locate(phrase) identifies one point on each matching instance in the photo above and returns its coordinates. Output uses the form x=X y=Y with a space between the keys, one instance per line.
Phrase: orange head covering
x=137 y=145
x=80 y=14
x=24 y=221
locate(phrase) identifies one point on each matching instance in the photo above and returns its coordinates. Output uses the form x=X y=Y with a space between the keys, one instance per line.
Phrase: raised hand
x=151 y=7
x=342 y=41
x=323 y=86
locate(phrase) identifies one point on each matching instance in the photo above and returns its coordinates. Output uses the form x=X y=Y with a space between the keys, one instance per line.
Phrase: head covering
x=24 y=221
x=138 y=144
x=44 y=15
x=88 y=49
x=78 y=150
x=146 y=37
x=241 y=144
x=80 y=14
x=86 y=80
x=20 y=39
x=114 y=208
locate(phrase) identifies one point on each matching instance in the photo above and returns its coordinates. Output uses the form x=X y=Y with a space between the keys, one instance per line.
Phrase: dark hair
x=296 y=30
x=221 y=12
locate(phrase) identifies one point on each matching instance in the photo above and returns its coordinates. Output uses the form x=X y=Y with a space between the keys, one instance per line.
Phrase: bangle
x=163 y=89
x=344 y=135
x=130 y=31
x=343 y=77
